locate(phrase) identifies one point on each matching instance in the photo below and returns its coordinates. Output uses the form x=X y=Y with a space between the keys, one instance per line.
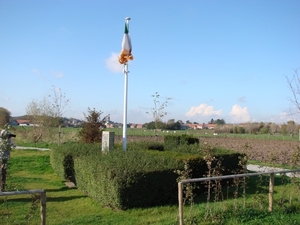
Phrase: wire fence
x=214 y=188
x=24 y=209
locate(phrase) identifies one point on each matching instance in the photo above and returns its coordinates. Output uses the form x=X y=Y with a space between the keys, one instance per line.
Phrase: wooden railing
x=194 y=180
x=42 y=199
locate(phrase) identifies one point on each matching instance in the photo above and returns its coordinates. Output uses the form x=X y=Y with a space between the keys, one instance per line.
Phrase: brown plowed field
x=269 y=151
x=272 y=151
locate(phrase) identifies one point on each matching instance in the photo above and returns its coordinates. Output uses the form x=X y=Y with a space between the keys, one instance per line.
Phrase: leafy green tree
x=264 y=128
x=153 y=126
x=173 y=126
x=91 y=131
x=4 y=116
x=241 y=130
x=283 y=129
x=220 y=121
x=235 y=130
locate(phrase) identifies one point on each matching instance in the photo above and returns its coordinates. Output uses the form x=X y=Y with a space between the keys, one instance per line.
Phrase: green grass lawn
x=31 y=169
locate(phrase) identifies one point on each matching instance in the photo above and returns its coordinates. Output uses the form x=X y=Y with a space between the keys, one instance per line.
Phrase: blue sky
x=214 y=59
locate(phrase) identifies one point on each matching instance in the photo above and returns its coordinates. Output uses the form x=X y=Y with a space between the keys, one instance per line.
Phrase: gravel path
x=41 y=149
x=257 y=168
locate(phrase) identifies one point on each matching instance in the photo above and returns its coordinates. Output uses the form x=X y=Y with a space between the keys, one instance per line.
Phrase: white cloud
x=242 y=99
x=203 y=110
x=4 y=97
x=112 y=63
x=239 y=114
x=58 y=74
x=39 y=74
x=284 y=117
x=36 y=71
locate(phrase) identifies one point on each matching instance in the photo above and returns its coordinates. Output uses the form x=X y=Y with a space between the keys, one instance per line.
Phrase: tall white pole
x=125 y=98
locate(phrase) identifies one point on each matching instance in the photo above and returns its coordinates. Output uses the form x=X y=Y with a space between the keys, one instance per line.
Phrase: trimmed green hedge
x=133 y=178
x=61 y=157
x=126 y=179
x=172 y=142
x=119 y=179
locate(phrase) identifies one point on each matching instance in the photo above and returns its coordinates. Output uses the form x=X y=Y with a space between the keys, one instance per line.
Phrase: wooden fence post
x=0 y=175
x=271 y=192
x=180 y=203
x=43 y=208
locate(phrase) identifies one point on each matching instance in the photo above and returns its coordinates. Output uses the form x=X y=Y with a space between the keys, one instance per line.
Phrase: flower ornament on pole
x=125 y=54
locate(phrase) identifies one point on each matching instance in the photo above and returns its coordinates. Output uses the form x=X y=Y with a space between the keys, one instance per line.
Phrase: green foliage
x=155 y=125
x=4 y=116
x=91 y=129
x=142 y=145
x=61 y=157
x=120 y=179
x=238 y=130
x=172 y=142
x=133 y=178
x=173 y=126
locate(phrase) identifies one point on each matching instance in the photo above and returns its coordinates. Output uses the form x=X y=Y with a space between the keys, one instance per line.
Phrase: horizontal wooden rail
x=194 y=180
x=43 y=200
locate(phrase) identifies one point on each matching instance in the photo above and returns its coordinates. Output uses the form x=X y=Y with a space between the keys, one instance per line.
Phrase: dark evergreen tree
x=91 y=131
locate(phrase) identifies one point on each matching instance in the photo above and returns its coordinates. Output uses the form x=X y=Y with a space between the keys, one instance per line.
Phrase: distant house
x=211 y=126
x=194 y=126
x=23 y=122
x=140 y=126
x=13 y=123
x=185 y=127
x=134 y=125
x=199 y=126
x=110 y=124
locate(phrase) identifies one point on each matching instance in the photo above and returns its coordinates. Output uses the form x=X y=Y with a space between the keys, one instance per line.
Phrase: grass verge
x=31 y=169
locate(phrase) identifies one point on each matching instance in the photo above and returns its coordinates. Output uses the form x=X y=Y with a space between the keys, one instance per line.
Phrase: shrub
x=62 y=156
x=172 y=142
x=126 y=179
x=91 y=132
x=133 y=178
x=145 y=145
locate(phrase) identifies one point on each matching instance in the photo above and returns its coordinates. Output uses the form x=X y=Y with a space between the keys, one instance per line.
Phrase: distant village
x=107 y=123
x=290 y=127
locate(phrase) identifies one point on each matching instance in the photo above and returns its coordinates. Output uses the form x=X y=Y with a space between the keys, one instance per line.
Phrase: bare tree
x=274 y=128
x=292 y=128
x=59 y=103
x=158 y=111
x=294 y=86
x=41 y=115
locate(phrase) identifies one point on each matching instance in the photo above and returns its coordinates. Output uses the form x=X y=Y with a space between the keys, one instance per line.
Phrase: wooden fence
x=194 y=180
x=43 y=200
